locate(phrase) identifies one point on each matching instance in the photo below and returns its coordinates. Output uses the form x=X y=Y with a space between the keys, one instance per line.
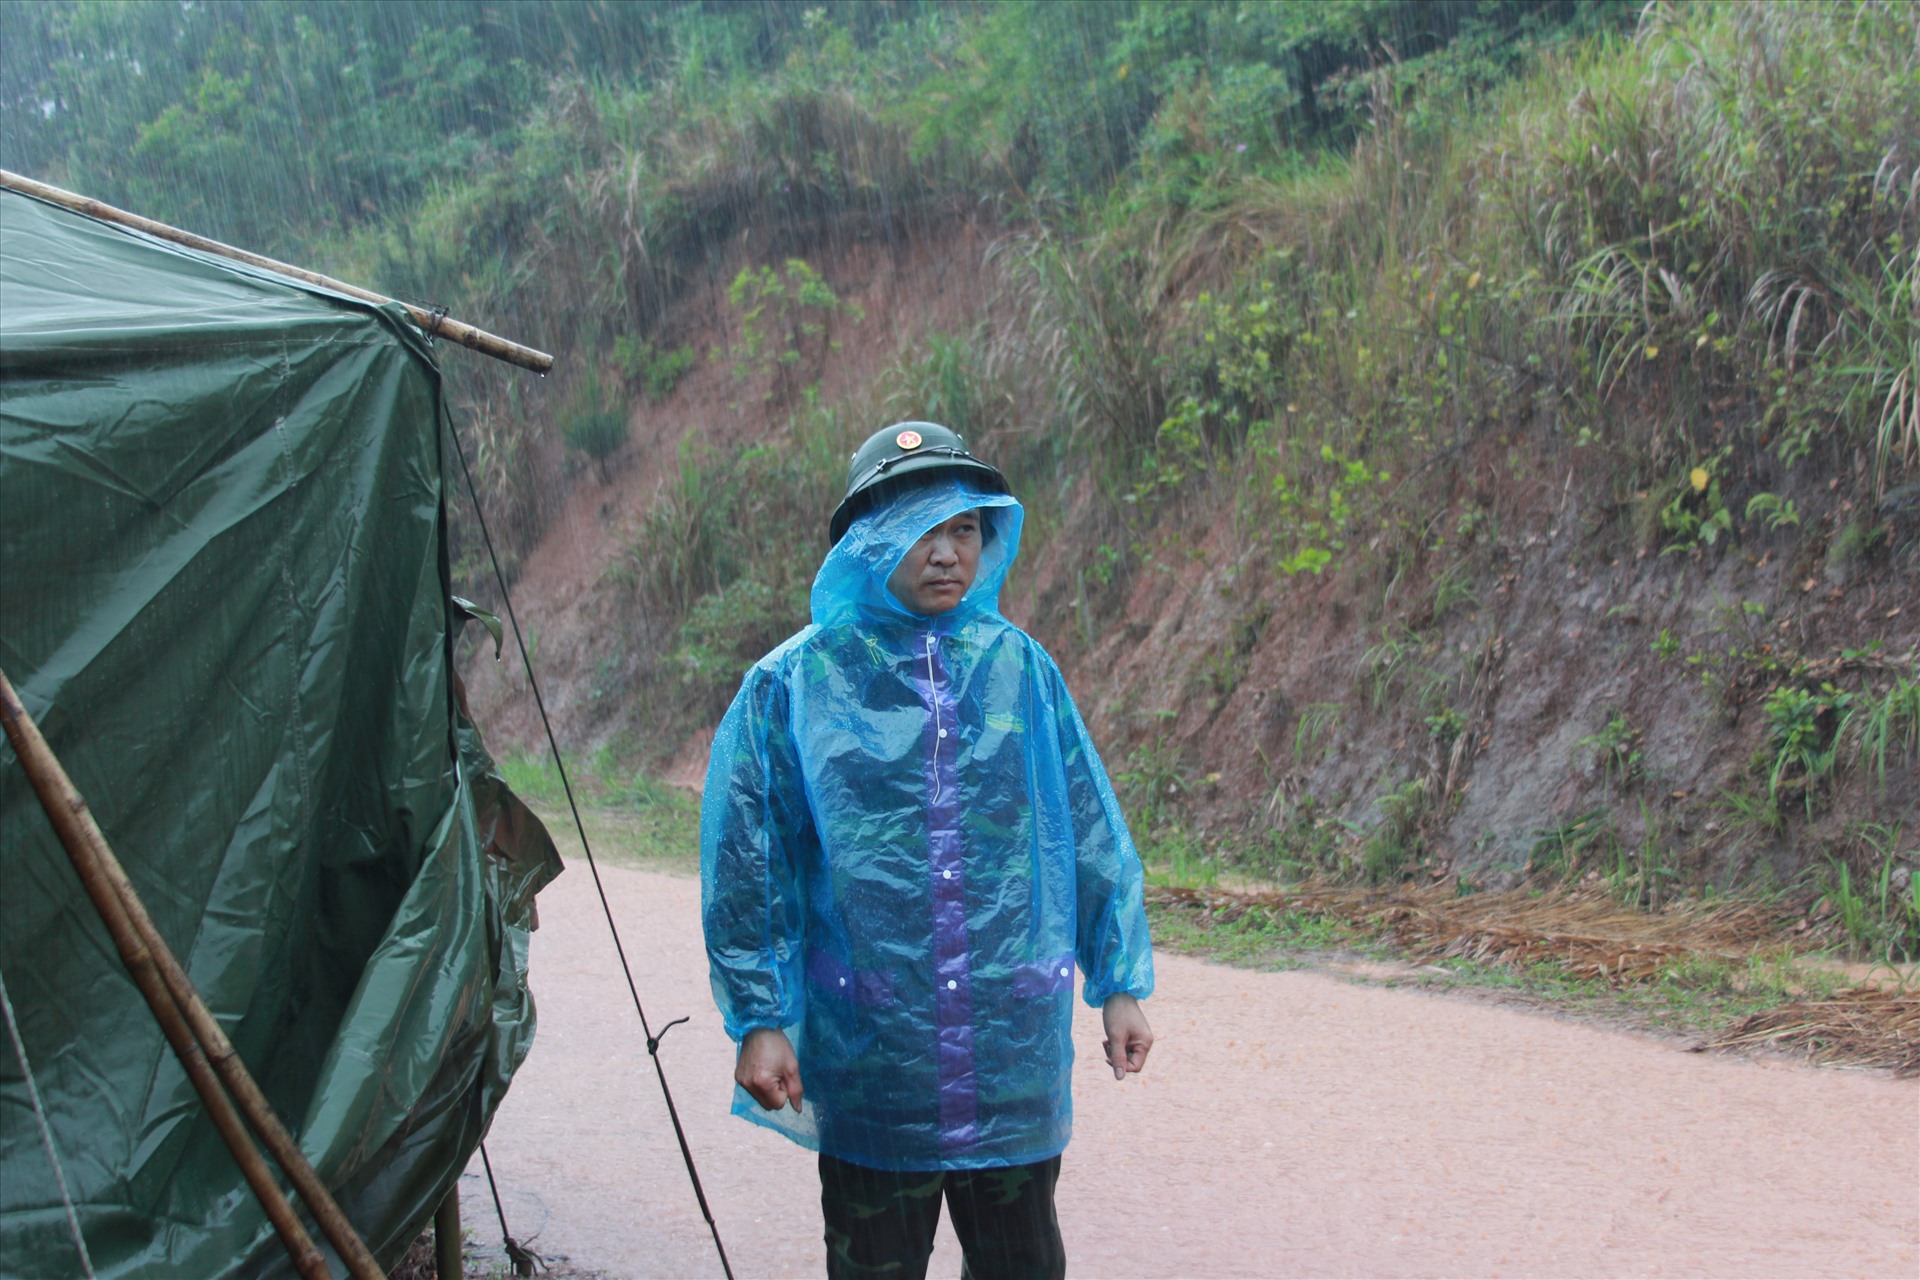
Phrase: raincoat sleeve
x=752 y=826
x=1111 y=942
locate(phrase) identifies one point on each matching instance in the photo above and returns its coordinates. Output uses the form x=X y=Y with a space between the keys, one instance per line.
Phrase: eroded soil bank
x=1290 y=1124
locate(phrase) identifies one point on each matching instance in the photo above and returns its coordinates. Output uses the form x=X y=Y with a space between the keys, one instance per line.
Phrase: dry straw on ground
x=1590 y=935
x=1867 y=1026
x=1587 y=932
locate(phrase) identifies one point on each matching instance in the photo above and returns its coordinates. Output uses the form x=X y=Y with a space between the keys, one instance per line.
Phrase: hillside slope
x=1548 y=691
x=1527 y=487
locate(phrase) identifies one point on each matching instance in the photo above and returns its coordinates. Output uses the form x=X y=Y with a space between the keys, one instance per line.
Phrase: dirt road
x=1290 y=1124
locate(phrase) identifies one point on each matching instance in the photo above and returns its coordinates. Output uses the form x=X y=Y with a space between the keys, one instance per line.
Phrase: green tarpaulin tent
x=224 y=595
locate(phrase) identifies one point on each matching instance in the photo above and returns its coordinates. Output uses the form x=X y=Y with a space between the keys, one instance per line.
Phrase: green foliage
x=1889 y=721
x=1174 y=856
x=1309 y=256
x=785 y=324
x=1754 y=816
x=600 y=778
x=1777 y=512
x=1803 y=729
x=950 y=381
x=658 y=371
x=1588 y=847
x=717 y=572
x=1393 y=844
x=1446 y=726
x=594 y=424
x=1565 y=850
x=1725 y=207
x=1153 y=784
x=1856 y=540
x=1697 y=514
x=1453 y=590
x=1616 y=749
x=728 y=629
x=726 y=516
x=1385 y=665
x=1317 y=731
x=1307 y=841
x=1878 y=907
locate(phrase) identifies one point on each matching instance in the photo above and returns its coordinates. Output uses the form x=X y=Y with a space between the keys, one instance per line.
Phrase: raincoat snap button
x=1065 y=973
x=843 y=981
x=951 y=984
x=943 y=733
x=946 y=875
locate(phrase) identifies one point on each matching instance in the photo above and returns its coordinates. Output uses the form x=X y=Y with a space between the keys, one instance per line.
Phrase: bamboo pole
x=134 y=953
x=466 y=335
x=178 y=1007
x=449 y=1251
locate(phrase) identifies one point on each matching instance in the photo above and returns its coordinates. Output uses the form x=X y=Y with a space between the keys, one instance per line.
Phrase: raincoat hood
x=852 y=582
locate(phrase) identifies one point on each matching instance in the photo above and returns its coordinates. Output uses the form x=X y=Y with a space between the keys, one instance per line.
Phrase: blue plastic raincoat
x=907 y=841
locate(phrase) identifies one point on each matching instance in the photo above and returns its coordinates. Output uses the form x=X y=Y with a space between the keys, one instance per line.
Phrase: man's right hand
x=768 y=1069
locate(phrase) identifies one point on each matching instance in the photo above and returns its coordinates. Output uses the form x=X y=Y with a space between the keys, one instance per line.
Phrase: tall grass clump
x=1732 y=205
x=718 y=571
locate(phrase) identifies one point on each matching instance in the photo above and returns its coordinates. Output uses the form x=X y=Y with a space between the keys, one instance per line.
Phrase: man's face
x=941 y=566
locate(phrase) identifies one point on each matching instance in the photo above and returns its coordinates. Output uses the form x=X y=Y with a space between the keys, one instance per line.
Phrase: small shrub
x=1385 y=665
x=727 y=630
x=786 y=321
x=1802 y=727
x=1314 y=736
x=1153 y=782
x=1392 y=846
x=1886 y=723
x=1856 y=541
x=594 y=425
x=1616 y=749
x=1562 y=851
x=1697 y=515
x=657 y=371
x=951 y=382
x=1307 y=841
x=1878 y=905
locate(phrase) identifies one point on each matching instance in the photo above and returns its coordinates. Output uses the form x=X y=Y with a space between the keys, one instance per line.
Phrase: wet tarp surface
x=224 y=595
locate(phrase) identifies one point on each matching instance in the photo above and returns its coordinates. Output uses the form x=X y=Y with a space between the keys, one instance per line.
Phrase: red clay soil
x=1289 y=1124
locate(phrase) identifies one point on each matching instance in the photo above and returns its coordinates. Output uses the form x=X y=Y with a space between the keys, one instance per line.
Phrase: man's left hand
x=1128 y=1036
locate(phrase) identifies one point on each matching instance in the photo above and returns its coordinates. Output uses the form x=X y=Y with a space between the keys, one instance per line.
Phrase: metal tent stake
x=203 y=1049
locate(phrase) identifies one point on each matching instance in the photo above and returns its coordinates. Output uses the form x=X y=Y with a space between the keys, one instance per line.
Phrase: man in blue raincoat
x=907 y=844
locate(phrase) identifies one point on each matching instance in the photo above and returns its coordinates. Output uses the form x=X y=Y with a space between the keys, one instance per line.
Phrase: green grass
x=1691 y=998
x=632 y=819
x=1694 y=998
x=1257 y=940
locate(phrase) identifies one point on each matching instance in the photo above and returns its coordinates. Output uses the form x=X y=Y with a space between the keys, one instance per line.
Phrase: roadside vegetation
x=1388 y=297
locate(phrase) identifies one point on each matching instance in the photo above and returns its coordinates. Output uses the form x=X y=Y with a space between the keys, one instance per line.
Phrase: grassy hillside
x=1464 y=437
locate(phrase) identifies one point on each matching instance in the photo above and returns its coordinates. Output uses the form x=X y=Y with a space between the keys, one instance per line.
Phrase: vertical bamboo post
x=174 y=1000
x=307 y=1259
x=448 y=1256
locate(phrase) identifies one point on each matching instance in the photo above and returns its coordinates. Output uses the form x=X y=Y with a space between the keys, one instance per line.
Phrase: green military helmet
x=918 y=449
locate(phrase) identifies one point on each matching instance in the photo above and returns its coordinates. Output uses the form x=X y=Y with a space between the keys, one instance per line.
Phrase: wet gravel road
x=1289 y=1124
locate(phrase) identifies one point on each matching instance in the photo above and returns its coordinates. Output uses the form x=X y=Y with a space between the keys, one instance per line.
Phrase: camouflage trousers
x=881 y=1223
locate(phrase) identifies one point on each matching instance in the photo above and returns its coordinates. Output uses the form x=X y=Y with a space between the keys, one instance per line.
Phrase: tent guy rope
x=653 y=1041
x=46 y=1131
x=431 y=321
